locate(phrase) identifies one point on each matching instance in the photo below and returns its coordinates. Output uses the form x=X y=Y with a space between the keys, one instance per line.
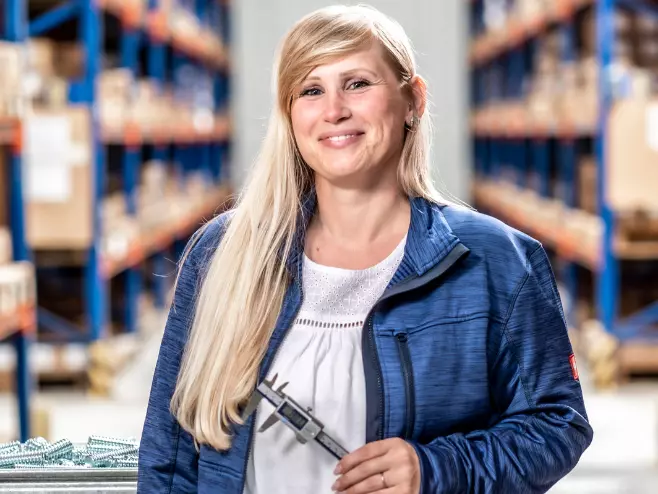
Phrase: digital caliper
x=305 y=426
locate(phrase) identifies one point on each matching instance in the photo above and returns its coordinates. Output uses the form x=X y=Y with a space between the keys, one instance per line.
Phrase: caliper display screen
x=293 y=416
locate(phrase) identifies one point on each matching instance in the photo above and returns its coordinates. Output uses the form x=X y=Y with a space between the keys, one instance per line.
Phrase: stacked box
x=115 y=89
x=11 y=77
x=587 y=184
x=58 y=175
x=624 y=21
x=527 y=10
x=120 y=231
x=17 y=287
x=49 y=66
x=5 y=245
x=154 y=203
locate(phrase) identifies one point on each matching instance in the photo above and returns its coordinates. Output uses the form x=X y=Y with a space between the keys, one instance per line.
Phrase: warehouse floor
x=623 y=458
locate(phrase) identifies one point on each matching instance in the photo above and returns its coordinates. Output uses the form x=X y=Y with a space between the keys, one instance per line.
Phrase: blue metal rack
x=207 y=153
x=135 y=35
x=498 y=73
x=14 y=31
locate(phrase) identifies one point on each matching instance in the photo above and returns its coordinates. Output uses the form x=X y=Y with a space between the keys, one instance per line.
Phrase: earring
x=413 y=122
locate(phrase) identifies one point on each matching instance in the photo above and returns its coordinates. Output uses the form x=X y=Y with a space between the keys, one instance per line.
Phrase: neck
x=351 y=217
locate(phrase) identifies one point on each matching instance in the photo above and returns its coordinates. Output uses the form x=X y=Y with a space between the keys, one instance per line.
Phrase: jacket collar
x=429 y=239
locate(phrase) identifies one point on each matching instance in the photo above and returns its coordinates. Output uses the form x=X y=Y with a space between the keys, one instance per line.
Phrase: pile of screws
x=99 y=452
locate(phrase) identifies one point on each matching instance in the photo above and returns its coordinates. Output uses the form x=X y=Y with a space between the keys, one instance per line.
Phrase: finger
x=364 y=453
x=372 y=484
x=398 y=476
x=363 y=474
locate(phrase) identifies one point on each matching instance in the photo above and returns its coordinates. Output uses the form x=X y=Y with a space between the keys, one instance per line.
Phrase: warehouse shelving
x=150 y=44
x=20 y=325
x=516 y=154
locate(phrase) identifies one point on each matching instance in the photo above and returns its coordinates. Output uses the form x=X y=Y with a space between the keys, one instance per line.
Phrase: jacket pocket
x=408 y=376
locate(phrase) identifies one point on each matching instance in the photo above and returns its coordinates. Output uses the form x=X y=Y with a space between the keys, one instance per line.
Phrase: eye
x=361 y=83
x=312 y=91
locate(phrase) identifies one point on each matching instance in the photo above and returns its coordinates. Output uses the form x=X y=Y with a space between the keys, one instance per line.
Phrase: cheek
x=303 y=120
x=385 y=114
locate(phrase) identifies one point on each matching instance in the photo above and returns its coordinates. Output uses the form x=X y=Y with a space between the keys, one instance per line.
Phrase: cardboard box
x=59 y=213
x=70 y=60
x=587 y=184
x=11 y=61
x=633 y=153
x=11 y=71
x=115 y=83
x=5 y=245
x=624 y=21
x=53 y=94
x=41 y=56
x=115 y=89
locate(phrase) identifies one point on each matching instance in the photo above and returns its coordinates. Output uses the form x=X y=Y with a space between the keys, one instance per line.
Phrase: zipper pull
x=402 y=337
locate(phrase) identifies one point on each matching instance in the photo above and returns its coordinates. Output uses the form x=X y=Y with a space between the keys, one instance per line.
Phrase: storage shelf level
x=156 y=241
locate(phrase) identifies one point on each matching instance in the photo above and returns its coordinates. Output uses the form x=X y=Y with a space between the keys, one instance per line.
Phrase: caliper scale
x=301 y=421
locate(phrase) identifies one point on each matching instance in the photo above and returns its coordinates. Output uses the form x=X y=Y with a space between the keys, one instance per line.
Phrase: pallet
x=612 y=362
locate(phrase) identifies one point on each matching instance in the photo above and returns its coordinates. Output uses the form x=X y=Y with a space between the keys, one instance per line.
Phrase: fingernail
x=333 y=487
x=337 y=470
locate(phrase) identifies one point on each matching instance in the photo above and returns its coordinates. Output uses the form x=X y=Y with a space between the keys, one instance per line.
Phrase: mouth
x=340 y=137
x=341 y=140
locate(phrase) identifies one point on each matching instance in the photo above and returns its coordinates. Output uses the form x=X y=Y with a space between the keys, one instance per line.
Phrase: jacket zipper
x=410 y=393
x=457 y=252
x=378 y=368
x=252 y=428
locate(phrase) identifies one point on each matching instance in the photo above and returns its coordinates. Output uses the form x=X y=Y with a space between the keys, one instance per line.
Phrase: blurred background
x=125 y=124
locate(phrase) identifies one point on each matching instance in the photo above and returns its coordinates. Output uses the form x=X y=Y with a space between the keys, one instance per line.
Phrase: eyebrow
x=344 y=74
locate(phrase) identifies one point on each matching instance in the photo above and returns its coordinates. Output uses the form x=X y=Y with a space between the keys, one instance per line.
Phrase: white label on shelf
x=652 y=126
x=48 y=158
x=48 y=183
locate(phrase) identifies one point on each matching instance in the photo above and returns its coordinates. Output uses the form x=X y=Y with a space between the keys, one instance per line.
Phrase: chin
x=341 y=171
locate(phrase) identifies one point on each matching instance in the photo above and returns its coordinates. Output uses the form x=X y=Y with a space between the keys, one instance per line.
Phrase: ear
x=419 y=97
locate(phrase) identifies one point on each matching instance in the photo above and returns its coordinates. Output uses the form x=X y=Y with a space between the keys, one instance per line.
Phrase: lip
x=337 y=133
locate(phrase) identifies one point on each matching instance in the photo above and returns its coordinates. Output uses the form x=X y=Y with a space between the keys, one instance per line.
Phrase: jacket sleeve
x=167 y=454
x=542 y=427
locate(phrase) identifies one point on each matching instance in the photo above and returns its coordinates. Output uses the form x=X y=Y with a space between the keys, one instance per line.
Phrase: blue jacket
x=466 y=356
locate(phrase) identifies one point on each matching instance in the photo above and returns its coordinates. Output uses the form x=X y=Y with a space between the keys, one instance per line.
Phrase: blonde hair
x=245 y=281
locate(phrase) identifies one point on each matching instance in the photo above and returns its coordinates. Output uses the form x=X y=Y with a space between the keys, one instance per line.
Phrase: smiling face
x=348 y=119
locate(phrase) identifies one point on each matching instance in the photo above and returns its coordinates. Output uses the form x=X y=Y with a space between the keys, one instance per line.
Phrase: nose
x=336 y=109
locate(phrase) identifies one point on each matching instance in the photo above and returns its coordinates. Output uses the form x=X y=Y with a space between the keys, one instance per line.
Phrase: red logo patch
x=574 y=367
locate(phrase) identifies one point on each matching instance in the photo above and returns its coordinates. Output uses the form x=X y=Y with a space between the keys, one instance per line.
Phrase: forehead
x=371 y=58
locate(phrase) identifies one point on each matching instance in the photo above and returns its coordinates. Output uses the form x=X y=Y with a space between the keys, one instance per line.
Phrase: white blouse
x=322 y=361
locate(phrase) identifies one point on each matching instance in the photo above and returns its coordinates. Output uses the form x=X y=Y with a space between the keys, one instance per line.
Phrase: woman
x=429 y=339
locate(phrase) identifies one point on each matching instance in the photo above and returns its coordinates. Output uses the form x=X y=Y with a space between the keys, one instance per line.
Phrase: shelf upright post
x=179 y=152
x=157 y=73
x=474 y=103
x=519 y=142
x=16 y=24
x=179 y=145
x=539 y=145
x=95 y=280
x=215 y=146
x=608 y=280
x=223 y=28
x=567 y=171
x=130 y=43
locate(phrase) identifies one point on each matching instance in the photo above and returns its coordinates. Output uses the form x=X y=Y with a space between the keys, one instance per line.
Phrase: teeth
x=340 y=138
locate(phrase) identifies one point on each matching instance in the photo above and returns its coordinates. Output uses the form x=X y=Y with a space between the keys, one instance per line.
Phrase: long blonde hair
x=245 y=280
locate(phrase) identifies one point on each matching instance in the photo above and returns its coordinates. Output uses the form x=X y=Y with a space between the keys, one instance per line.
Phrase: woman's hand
x=390 y=466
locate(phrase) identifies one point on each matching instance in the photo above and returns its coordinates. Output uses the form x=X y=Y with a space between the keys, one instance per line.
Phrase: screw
x=113 y=454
